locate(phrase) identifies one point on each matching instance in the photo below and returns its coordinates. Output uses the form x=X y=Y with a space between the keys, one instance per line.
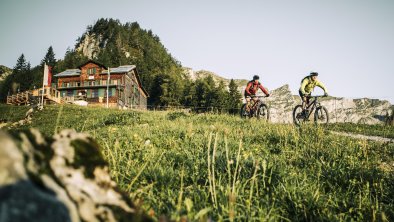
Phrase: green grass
x=364 y=129
x=230 y=169
x=12 y=113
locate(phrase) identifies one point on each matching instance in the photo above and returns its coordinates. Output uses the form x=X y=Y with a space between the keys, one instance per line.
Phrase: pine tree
x=49 y=58
x=22 y=78
x=189 y=92
x=221 y=97
x=208 y=87
x=234 y=97
x=19 y=80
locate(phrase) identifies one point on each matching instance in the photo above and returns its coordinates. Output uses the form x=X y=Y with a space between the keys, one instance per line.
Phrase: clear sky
x=349 y=42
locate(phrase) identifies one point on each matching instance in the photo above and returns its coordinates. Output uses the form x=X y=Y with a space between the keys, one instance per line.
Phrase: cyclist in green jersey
x=308 y=83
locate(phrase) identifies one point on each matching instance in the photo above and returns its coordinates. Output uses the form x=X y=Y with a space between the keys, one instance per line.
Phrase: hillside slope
x=4 y=72
x=221 y=167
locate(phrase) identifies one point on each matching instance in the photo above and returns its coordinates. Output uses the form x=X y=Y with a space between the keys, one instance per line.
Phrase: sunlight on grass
x=196 y=167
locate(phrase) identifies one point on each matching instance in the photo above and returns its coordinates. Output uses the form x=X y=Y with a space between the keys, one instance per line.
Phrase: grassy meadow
x=195 y=167
x=364 y=129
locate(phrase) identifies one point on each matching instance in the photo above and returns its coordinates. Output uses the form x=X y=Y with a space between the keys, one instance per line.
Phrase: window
x=91 y=71
x=111 y=92
x=69 y=93
x=94 y=93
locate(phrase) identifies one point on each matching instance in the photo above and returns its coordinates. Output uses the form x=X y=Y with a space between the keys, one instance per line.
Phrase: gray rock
x=365 y=111
x=25 y=201
x=63 y=178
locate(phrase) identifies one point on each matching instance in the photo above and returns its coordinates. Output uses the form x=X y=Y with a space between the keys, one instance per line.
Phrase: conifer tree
x=234 y=97
x=49 y=58
x=19 y=80
x=209 y=91
x=22 y=77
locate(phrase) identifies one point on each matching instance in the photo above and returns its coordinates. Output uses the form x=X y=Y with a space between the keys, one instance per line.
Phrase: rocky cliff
x=365 y=111
x=89 y=45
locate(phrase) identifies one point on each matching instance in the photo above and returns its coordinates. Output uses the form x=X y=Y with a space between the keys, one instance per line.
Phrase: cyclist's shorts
x=248 y=96
x=302 y=94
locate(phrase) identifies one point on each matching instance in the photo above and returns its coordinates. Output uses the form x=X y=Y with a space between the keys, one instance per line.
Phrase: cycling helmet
x=314 y=74
x=256 y=77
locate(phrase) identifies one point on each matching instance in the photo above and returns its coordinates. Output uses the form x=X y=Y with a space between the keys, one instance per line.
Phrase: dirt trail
x=360 y=136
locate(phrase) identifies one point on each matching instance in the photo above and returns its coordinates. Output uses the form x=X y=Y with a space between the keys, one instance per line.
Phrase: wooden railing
x=21 y=98
x=26 y=97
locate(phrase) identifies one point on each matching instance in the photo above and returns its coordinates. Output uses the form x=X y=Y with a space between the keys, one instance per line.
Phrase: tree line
x=161 y=74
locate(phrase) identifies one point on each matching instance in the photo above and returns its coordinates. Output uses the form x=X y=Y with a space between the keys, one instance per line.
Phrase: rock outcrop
x=365 y=111
x=63 y=178
x=4 y=72
x=89 y=45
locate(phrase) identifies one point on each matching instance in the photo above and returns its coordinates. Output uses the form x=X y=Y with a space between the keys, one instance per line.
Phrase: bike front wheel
x=321 y=115
x=263 y=112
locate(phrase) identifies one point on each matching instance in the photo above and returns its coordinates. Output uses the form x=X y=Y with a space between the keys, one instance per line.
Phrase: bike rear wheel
x=243 y=112
x=298 y=116
x=321 y=115
x=263 y=112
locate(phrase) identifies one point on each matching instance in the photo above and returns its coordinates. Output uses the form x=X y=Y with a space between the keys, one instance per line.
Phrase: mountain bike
x=301 y=115
x=257 y=108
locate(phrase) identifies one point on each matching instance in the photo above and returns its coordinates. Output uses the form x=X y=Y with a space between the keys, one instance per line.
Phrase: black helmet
x=256 y=77
x=314 y=74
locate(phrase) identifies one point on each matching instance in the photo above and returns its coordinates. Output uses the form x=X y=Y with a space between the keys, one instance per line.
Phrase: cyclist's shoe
x=303 y=114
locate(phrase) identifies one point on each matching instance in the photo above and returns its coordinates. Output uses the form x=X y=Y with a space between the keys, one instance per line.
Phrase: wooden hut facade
x=90 y=81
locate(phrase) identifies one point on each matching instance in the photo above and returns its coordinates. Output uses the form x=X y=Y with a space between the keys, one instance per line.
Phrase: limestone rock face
x=365 y=111
x=90 y=46
x=281 y=104
x=63 y=178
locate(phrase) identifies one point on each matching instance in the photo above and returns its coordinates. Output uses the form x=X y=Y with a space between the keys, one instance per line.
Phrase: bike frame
x=312 y=105
x=257 y=102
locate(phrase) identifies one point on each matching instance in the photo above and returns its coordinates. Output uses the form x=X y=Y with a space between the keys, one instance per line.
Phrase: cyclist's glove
x=268 y=95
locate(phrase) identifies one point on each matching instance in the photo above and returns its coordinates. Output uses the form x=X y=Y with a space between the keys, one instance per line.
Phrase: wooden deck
x=51 y=95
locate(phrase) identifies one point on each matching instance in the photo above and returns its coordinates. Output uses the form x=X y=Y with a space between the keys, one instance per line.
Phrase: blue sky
x=349 y=42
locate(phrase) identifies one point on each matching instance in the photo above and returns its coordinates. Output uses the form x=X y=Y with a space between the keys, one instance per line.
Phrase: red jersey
x=252 y=87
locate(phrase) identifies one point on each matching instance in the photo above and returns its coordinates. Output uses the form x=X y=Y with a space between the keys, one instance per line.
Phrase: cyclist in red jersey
x=251 y=90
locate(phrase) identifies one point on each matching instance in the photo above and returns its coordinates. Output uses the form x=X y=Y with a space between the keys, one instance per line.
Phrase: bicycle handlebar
x=259 y=96
x=316 y=96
